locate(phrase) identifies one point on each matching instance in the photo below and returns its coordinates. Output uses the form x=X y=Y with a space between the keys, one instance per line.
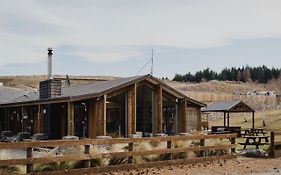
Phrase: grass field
x=272 y=119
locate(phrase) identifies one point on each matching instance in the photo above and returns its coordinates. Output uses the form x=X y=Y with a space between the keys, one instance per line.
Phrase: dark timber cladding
x=230 y=107
x=117 y=108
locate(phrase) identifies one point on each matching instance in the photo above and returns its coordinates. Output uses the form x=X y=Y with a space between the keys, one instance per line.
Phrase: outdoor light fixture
x=44 y=111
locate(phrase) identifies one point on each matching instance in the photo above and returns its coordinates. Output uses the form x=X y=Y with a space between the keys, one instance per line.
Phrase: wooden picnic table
x=254 y=132
x=255 y=140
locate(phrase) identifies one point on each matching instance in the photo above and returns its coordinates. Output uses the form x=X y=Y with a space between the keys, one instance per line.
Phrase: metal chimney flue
x=50 y=54
x=51 y=87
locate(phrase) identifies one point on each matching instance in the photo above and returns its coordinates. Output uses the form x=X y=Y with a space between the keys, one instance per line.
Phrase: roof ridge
x=100 y=82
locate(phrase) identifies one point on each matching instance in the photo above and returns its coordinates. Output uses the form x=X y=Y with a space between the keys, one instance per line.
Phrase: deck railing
x=227 y=141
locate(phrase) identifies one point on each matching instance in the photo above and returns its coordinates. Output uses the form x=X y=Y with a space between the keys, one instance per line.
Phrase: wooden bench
x=253 y=132
x=255 y=140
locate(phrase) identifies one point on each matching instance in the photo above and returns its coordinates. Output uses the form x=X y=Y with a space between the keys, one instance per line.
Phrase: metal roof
x=8 y=93
x=26 y=97
x=228 y=106
x=95 y=89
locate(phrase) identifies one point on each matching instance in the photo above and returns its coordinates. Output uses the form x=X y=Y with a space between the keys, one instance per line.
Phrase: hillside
x=32 y=82
x=228 y=87
x=254 y=94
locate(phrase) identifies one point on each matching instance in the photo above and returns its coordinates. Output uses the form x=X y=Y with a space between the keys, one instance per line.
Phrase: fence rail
x=29 y=161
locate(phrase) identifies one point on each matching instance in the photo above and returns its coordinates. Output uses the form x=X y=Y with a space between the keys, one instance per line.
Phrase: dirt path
x=232 y=167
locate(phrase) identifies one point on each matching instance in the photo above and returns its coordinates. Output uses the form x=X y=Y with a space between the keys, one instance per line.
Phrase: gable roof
x=96 y=89
x=228 y=106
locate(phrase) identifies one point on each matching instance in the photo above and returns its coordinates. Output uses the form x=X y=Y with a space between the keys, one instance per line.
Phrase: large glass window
x=115 y=116
x=144 y=109
x=169 y=116
x=81 y=119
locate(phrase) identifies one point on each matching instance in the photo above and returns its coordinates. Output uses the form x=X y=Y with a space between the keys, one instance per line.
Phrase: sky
x=110 y=37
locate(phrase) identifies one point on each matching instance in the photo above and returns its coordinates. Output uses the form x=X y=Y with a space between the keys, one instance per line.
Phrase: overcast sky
x=115 y=37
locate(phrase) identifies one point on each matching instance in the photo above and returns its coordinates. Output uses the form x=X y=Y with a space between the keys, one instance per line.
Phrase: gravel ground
x=241 y=165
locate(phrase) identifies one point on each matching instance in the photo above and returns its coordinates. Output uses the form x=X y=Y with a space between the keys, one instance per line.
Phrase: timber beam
x=158 y=110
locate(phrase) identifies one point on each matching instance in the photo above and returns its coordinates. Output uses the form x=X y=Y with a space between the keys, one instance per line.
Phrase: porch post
x=38 y=130
x=177 y=118
x=158 y=110
x=224 y=120
x=92 y=122
x=253 y=119
x=131 y=110
x=22 y=120
x=102 y=116
x=70 y=118
x=127 y=119
x=184 y=117
x=199 y=119
x=6 y=119
x=36 y=120
x=228 y=120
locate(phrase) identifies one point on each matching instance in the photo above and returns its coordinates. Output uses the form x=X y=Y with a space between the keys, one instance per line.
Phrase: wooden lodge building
x=116 y=107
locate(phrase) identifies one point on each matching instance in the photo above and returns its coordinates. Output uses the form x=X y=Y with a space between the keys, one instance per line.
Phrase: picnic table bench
x=254 y=132
x=255 y=140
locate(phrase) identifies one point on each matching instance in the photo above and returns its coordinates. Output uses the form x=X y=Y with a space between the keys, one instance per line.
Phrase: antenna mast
x=151 y=73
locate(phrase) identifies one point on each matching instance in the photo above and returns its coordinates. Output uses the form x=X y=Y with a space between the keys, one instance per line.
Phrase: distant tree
x=178 y=77
x=238 y=76
x=198 y=76
x=261 y=74
x=246 y=75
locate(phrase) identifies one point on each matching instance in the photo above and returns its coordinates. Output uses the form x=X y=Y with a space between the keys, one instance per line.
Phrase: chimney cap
x=50 y=51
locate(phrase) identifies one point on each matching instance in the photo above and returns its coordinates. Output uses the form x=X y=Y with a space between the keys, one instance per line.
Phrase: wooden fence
x=29 y=161
x=275 y=146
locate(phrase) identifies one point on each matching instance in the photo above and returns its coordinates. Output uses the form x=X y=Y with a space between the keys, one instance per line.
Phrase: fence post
x=232 y=141
x=87 y=163
x=202 y=143
x=272 y=144
x=131 y=148
x=169 y=146
x=29 y=167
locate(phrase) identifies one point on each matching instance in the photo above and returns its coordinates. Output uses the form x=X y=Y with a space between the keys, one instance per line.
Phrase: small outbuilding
x=230 y=107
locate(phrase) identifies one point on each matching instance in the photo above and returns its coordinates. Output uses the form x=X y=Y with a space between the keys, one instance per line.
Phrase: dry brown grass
x=272 y=120
x=30 y=82
x=216 y=91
